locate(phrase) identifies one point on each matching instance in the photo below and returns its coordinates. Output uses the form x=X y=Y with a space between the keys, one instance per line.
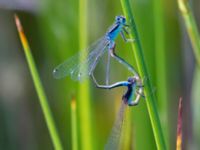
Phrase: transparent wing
x=86 y=66
x=114 y=138
x=80 y=65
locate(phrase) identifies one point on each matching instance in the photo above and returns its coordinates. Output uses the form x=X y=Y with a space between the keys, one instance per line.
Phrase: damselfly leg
x=121 y=60
x=108 y=69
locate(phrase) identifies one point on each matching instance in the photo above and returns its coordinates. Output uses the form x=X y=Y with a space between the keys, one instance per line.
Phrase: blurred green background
x=53 y=32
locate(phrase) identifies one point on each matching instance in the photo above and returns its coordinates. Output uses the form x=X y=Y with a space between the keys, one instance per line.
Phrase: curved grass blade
x=191 y=27
x=80 y=65
x=115 y=135
x=39 y=88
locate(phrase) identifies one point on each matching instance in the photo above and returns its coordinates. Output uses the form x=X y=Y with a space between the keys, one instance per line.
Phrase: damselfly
x=131 y=98
x=83 y=64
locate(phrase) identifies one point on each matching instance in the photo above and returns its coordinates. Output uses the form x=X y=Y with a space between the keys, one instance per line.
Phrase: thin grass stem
x=39 y=88
x=84 y=108
x=160 y=55
x=74 y=125
x=193 y=33
x=191 y=27
x=150 y=98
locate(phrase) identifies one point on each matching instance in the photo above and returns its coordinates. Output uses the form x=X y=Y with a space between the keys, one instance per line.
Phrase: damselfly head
x=120 y=19
x=131 y=80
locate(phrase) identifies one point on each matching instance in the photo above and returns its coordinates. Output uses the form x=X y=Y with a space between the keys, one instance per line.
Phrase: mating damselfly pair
x=83 y=65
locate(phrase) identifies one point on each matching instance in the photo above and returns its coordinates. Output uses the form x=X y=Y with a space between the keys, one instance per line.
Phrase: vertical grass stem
x=74 y=125
x=150 y=98
x=84 y=108
x=191 y=27
x=39 y=88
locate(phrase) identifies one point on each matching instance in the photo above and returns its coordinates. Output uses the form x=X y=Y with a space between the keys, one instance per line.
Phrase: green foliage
x=60 y=29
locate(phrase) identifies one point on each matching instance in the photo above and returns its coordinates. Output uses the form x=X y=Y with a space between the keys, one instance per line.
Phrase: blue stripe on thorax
x=114 y=32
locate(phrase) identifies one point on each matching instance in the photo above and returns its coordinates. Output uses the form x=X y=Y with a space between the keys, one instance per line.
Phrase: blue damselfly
x=83 y=64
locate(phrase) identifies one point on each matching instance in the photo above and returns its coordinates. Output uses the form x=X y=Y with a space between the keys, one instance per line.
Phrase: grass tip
x=18 y=23
x=183 y=6
x=73 y=103
x=179 y=126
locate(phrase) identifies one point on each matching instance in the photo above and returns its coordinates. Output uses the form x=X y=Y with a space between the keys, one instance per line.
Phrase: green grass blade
x=160 y=57
x=193 y=33
x=139 y=57
x=84 y=91
x=39 y=88
x=74 y=125
x=191 y=27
